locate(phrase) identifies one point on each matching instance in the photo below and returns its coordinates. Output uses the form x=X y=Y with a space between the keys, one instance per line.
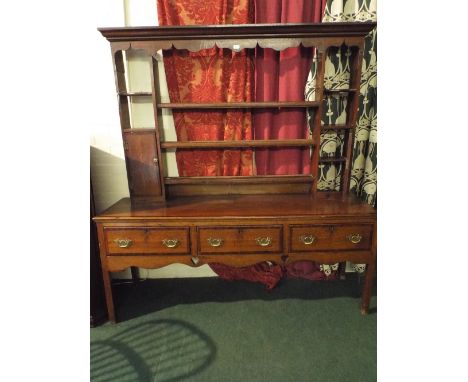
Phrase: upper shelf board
x=239 y=36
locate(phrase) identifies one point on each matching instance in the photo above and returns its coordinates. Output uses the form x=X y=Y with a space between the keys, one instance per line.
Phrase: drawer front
x=222 y=240
x=330 y=237
x=240 y=240
x=258 y=239
x=148 y=241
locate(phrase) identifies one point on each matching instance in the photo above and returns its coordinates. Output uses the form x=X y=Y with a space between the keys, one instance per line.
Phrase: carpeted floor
x=209 y=329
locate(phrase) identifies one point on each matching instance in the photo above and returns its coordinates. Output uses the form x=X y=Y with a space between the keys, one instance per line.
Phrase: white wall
x=108 y=172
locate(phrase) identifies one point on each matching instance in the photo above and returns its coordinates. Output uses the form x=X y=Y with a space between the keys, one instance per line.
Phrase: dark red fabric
x=264 y=273
x=308 y=270
x=281 y=76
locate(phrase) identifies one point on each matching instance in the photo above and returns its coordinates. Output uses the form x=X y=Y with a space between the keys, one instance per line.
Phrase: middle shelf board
x=336 y=127
x=239 y=105
x=332 y=160
x=149 y=94
x=339 y=91
x=135 y=94
x=238 y=144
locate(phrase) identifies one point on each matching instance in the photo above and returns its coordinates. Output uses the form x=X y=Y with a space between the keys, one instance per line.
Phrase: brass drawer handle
x=215 y=242
x=263 y=241
x=307 y=240
x=123 y=243
x=354 y=238
x=171 y=243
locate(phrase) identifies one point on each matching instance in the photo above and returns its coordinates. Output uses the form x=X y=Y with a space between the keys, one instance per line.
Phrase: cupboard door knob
x=215 y=242
x=263 y=241
x=307 y=240
x=123 y=243
x=354 y=238
x=171 y=243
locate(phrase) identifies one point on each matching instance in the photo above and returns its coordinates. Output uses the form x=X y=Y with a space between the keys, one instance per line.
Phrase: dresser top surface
x=240 y=206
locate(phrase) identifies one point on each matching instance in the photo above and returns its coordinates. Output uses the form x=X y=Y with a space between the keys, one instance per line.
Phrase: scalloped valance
x=236 y=37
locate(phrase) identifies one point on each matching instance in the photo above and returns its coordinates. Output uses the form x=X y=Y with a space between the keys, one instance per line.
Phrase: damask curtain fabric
x=281 y=76
x=211 y=75
x=364 y=169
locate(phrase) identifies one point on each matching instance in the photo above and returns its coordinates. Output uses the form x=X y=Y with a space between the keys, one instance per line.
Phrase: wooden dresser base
x=237 y=230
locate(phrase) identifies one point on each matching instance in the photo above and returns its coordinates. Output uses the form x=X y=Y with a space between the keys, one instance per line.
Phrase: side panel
x=142 y=164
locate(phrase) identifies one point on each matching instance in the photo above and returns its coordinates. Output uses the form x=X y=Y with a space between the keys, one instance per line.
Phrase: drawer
x=148 y=241
x=330 y=237
x=240 y=239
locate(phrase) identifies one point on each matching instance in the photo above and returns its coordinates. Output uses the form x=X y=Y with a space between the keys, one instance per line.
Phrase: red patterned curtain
x=211 y=75
x=281 y=76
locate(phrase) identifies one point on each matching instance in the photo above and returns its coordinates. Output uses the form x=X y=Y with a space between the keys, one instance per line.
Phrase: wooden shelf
x=139 y=130
x=332 y=160
x=135 y=94
x=337 y=91
x=263 y=179
x=241 y=144
x=239 y=105
x=336 y=127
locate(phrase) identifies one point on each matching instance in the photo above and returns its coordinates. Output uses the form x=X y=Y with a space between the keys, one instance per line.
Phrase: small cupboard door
x=143 y=165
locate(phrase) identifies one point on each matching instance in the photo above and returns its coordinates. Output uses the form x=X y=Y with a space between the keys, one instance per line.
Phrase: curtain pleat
x=281 y=76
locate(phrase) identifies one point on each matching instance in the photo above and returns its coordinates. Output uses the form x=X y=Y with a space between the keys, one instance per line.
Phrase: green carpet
x=214 y=330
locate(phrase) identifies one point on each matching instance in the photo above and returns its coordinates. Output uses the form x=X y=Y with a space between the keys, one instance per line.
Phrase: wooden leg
x=367 y=291
x=135 y=274
x=109 y=298
x=342 y=270
x=105 y=274
x=370 y=272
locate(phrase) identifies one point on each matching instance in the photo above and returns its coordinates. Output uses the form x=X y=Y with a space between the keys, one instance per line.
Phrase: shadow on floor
x=171 y=350
x=147 y=296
